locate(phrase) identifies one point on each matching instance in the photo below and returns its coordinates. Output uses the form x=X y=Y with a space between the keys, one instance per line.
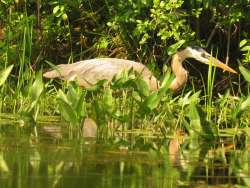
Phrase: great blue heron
x=86 y=73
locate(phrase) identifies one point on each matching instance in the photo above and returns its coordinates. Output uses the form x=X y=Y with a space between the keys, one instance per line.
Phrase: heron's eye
x=203 y=54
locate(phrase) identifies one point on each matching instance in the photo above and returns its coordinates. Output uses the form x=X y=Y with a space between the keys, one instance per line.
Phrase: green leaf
x=174 y=47
x=67 y=112
x=108 y=100
x=245 y=48
x=80 y=108
x=243 y=43
x=62 y=96
x=37 y=87
x=4 y=74
x=72 y=95
x=245 y=72
x=194 y=117
x=35 y=91
x=152 y=101
x=142 y=86
x=64 y=17
x=55 y=9
x=165 y=84
x=245 y=104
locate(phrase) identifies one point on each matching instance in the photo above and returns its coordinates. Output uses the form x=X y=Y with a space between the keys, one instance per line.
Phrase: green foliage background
x=136 y=29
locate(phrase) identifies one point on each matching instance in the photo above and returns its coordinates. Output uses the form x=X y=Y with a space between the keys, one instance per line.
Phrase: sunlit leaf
x=3 y=165
x=108 y=100
x=35 y=91
x=152 y=101
x=142 y=86
x=67 y=112
x=243 y=43
x=174 y=47
x=245 y=104
x=194 y=126
x=64 y=17
x=4 y=74
x=55 y=9
x=80 y=108
x=37 y=87
x=245 y=48
x=72 y=94
x=4 y=2
x=245 y=72
x=166 y=80
x=61 y=95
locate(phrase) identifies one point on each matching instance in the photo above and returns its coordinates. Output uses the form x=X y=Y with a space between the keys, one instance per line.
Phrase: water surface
x=54 y=156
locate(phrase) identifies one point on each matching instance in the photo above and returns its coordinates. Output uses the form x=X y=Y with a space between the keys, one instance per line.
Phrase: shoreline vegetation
x=36 y=35
x=148 y=32
x=213 y=106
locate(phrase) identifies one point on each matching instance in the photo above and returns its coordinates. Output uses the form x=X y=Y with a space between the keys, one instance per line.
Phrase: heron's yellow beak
x=202 y=56
x=217 y=63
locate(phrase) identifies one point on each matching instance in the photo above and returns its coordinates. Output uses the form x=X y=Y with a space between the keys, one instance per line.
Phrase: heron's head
x=202 y=56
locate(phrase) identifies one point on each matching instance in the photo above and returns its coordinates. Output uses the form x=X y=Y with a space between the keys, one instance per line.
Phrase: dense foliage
x=59 y=31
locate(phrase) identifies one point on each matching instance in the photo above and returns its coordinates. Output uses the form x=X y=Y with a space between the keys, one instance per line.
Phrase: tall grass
x=210 y=86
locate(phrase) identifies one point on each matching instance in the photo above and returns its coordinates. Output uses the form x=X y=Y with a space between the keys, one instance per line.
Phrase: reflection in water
x=174 y=147
x=55 y=159
x=89 y=129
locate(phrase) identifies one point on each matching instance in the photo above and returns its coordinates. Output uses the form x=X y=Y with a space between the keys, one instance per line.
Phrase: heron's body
x=88 y=72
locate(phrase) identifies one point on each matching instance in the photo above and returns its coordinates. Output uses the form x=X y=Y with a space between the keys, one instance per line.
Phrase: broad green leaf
x=67 y=112
x=245 y=72
x=194 y=99
x=62 y=8
x=245 y=104
x=243 y=43
x=64 y=17
x=156 y=3
x=61 y=95
x=72 y=95
x=3 y=165
x=245 y=48
x=108 y=100
x=174 y=47
x=80 y=108
x=58 y=14
x=166 y=80
x=4 y=2
x=194 y=117
x=55 y=9
x=142 y=86
x=152 y=101
x=4 y=74
x=37 y=87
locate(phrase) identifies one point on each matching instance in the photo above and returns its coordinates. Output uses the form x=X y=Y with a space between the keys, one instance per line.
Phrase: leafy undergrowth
x=127 y=104
x=207 y=130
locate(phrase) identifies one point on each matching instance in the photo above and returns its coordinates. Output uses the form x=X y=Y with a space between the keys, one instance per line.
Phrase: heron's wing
x=89 y=72
x=94 y=70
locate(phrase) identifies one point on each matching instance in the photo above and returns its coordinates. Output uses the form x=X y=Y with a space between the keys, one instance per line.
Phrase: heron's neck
x=178 y=70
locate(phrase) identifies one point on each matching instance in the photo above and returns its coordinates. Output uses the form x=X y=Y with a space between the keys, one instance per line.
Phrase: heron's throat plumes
x=180 y=73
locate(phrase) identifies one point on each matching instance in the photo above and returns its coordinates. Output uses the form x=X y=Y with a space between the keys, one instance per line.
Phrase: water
x=58 y=157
